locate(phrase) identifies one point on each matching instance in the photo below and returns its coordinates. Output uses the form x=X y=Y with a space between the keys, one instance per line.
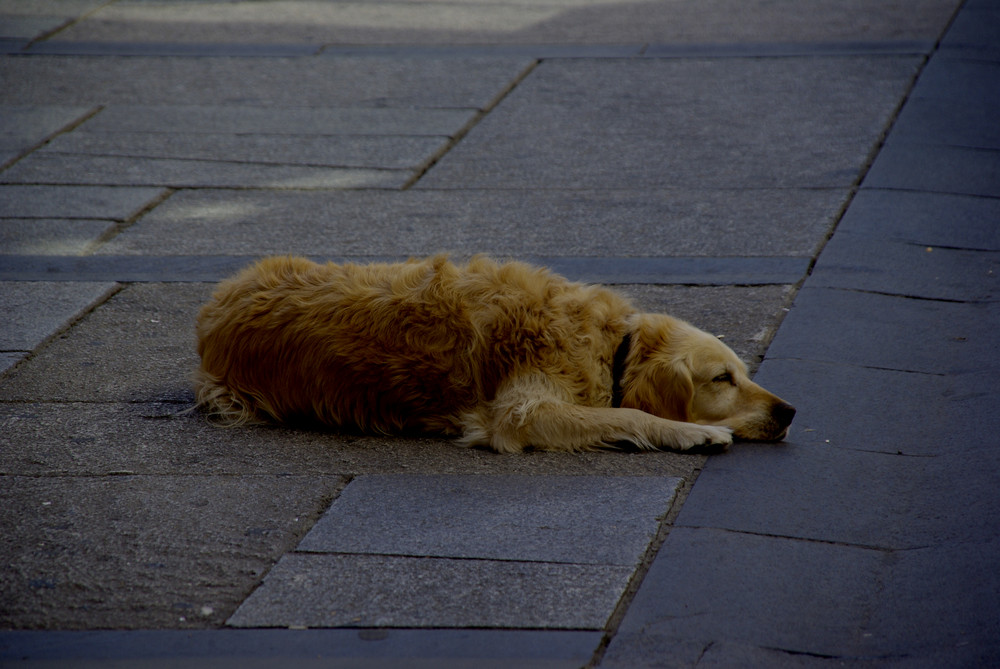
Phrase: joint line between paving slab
x=810 y=540
x=858 y=184
x=473 y=122
x=621 y=608
x=43 y=46
x=456 y=558
x=69 y=127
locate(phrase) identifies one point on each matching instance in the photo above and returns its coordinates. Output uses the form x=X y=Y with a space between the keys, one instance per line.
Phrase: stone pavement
x=821 y=188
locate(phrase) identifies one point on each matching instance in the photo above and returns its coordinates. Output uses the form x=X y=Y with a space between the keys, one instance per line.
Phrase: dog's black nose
x=783 y=413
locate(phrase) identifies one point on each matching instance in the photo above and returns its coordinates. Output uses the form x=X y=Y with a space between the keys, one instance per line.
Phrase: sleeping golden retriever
x=507 y=356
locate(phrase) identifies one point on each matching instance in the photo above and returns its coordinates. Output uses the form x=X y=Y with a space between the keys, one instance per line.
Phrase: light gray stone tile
x=22 y=127
x=579 y=520
x=8 y=359
x=99 y=171
x=286 y=121
x=566 y=222
x=660 y=124
x=550 y=22
x=320 y=590
x=260 y=82
x=25 y=325
x=373 y=151
x=139 y=344
x=50 y=236
x=69 y=202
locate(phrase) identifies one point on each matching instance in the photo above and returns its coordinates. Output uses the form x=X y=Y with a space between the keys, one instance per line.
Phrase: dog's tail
x=224 y=408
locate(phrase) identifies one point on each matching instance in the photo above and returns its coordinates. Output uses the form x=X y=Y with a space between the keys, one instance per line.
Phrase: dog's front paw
x=706 y=437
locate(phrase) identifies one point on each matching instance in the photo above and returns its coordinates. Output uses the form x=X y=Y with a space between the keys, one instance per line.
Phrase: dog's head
x=677 y=371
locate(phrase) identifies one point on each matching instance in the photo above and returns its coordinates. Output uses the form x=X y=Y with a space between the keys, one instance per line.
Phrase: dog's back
x=391 y=347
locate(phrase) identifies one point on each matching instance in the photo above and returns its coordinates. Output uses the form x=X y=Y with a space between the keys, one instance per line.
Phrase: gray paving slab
x=10 y=358
x=937 y=169
x=573 y=520
x=29 y=19
x=336 y=648
x=373 y=151
x=25 y=326
x=329 y=590
x=254 y=82
x=72 y=202
x=510 y=23
x=127 y=552
x=656 y=124
x=888 y=332
x=23 y=127
x=96 y=360
x=48 y=236
x=53 y=168
x=328 y=120
x=625 y=222
x=813 y=595
x=924 y=219
x=140 y=345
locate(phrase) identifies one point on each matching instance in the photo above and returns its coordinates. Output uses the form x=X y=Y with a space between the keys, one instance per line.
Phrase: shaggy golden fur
x=502 y=355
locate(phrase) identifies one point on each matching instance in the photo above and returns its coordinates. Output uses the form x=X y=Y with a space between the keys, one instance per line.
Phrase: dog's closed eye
x=724 y=378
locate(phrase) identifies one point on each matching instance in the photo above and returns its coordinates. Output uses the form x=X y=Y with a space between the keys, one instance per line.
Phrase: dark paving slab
x=161 y=551
x=578 y=520
x=888 y=332
x=923 y=219
x=858 y=262
x=930 y=413
x=709 y=585
x=937 y=169
x=337 y=648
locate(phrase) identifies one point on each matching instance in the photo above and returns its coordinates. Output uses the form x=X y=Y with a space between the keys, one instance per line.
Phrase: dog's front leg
x=530 y=411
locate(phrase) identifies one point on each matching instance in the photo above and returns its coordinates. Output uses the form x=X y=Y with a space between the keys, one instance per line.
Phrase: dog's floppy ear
x=660 y=388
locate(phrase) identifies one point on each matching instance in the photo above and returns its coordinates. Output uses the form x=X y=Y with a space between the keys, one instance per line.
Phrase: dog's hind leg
x=528 y=411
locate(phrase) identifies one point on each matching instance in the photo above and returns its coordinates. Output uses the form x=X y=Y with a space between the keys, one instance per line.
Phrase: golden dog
x=502 y=355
